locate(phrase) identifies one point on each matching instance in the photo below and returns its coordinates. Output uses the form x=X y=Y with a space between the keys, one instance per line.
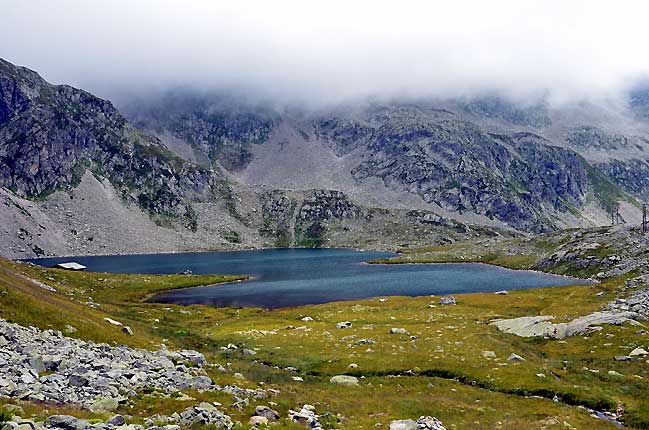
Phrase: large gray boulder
x=344 y=380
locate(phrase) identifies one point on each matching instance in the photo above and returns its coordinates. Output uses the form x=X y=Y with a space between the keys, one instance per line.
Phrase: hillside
x=214 y=172
x=400 y=357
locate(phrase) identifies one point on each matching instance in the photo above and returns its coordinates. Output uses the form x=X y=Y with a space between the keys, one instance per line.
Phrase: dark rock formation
x=51 y=134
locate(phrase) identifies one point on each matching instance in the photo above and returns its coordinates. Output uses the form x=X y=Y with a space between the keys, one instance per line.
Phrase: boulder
x=403 y=425
x=266 y=412
x=104 y=404
x=344 y=380
x=116 y=421
x=396 y=330
x=532 y=327
x=256 y=420
x=540 y=326
x=36 y=363
x=429 y=423
x=113 y=322
x=66 y=422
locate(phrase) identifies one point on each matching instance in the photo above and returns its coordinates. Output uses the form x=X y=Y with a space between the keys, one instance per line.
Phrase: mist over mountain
x=256 y=124
x=321 y=54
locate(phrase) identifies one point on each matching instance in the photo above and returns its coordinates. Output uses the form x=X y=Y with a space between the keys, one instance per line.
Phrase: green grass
x=438 y=371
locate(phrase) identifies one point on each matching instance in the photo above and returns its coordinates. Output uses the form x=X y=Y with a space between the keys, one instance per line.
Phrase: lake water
x=293 y=277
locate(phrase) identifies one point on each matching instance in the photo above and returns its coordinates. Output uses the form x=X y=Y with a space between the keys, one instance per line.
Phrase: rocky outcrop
x=51 y=134
x=324 y=205
x=423 y=423
x=458 y=166
x=541 y=326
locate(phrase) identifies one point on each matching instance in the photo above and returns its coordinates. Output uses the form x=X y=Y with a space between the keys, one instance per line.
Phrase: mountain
x=76 y=177
x=485 y=161
x=196 y=171
x=50 y=135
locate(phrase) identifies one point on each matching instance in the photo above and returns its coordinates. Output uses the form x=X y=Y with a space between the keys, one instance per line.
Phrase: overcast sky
x=331 y=50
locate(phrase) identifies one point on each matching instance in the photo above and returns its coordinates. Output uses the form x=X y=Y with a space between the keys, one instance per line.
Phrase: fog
x=333 y=51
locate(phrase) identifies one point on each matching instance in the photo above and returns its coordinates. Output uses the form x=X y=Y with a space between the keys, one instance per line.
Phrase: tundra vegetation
x=412 y=356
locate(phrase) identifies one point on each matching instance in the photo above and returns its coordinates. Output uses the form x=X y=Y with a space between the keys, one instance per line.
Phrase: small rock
x=515 y=357
x=488 y=354
x=113 y=322
x=450 y=300
x=344 y=324
x=395 y=330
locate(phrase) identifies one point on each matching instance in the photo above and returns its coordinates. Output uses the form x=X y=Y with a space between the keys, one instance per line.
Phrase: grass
x=437 y=368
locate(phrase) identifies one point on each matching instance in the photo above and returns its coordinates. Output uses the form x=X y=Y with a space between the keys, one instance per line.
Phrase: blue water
x=294 y=277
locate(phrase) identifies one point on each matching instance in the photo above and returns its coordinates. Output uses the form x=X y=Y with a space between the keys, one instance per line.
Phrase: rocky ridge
x=614 y=252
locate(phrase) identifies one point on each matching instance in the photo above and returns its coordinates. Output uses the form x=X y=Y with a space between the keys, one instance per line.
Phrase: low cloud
x=328 y=52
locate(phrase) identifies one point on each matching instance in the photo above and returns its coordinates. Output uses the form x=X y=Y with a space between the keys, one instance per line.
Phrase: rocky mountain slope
x=186 y=172
x=483 y=161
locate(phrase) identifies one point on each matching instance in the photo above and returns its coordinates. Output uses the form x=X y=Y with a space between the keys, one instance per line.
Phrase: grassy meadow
x=449 y=362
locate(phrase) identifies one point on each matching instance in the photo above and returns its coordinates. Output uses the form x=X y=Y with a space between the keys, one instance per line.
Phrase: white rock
x=113 y=322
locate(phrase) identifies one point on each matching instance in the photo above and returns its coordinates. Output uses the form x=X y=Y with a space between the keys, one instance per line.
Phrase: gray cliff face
x=460 y=167
x=50 y=135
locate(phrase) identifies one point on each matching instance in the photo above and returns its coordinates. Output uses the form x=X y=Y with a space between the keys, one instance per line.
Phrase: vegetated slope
x=398 y=347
